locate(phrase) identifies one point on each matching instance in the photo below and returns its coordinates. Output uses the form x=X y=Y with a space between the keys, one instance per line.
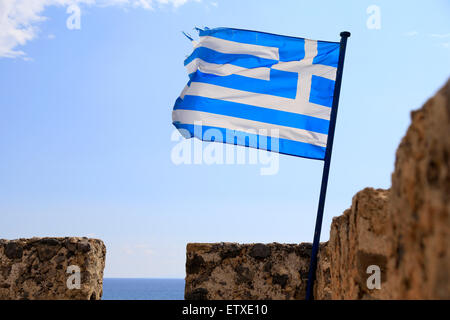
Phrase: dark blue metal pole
x=326 y=169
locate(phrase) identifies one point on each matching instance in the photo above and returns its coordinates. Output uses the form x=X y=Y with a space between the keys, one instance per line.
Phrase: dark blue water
x=143 y=289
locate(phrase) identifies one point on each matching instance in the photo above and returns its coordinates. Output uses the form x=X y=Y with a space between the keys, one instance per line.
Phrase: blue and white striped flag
x=252 y=83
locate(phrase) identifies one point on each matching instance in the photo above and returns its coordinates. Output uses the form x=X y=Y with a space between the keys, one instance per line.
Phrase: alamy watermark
x=374 y=280
x=74 y=280
x=223 y=152
x=73 y=22
x=374 y=20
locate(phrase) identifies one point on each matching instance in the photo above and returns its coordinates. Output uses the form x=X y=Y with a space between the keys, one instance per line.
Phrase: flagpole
x=326 y=168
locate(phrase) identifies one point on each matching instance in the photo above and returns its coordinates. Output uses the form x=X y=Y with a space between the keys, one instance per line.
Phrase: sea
x=142 y=289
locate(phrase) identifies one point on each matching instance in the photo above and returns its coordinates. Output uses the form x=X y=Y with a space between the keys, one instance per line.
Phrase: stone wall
x=246 y=271
x=419 y=213
x=405 y=231
x=36 y=268
x=358 y=239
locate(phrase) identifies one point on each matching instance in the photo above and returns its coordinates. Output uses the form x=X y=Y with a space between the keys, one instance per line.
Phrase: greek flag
x=245 y=84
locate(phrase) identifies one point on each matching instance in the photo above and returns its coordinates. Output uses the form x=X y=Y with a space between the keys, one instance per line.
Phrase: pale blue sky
x=85 y=126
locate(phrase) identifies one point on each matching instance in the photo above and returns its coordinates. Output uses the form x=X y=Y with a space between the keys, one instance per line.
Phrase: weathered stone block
x=419 y=207
x=36 y=268
x=246 y=271
x=358 y=239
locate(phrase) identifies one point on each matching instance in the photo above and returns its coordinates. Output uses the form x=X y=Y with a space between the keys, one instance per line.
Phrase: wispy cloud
x=440 y=36
x=445 y=44
x=411 y=33
x=19 y=19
